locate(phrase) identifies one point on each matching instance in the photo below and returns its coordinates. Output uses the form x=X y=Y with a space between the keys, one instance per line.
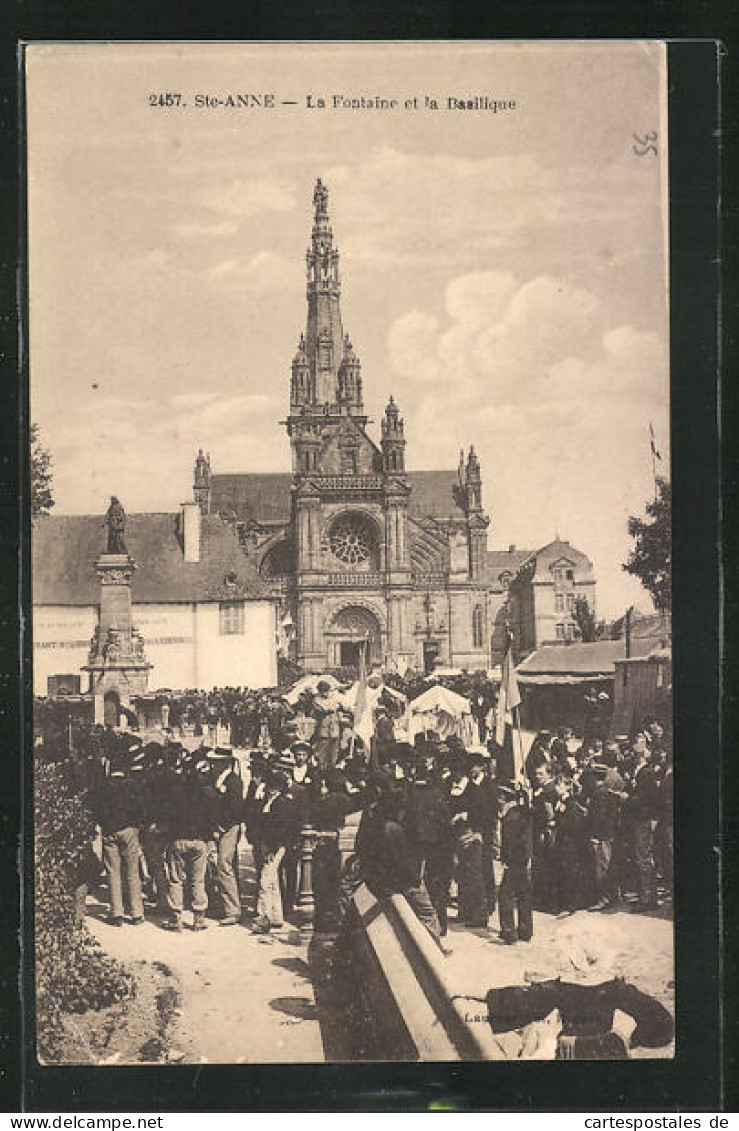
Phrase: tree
x=42 y=499
x=651 y=558
x=584 y=619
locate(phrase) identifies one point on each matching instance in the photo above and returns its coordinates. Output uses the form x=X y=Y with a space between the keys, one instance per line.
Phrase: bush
x=72 y=972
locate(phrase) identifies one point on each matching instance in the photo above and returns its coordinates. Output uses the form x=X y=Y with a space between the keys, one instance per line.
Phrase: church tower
x=349 y=510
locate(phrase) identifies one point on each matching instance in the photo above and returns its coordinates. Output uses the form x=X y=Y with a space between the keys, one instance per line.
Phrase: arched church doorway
x=353 y=630
x=111 y=708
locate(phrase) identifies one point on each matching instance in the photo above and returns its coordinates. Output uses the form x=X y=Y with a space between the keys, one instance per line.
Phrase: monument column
x=117 y=662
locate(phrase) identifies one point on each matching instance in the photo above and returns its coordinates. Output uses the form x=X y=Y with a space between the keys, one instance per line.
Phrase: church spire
x=333 y=367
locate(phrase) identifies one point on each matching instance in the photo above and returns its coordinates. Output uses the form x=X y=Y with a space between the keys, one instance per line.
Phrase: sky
x=503 y=274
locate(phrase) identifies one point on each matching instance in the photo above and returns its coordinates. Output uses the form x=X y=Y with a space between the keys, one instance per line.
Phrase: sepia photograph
x=349 y=406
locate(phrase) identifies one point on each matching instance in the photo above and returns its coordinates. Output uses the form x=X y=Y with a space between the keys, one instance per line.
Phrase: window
x=557 y=574
x=569 y=631
x=569 y=574
x=560 y=632
x=477 y=627
x=348 y=461
x=570 y=602
x=559 y=603
x=231 y=618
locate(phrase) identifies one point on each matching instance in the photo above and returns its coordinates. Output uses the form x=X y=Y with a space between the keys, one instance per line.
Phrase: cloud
x=372 y=211
x=556 y=400
x=543 y=344
x=249 y=196
x=412 y=342
x=265 y=271
x=192 y=400
x=112 y=446
x=221 y=228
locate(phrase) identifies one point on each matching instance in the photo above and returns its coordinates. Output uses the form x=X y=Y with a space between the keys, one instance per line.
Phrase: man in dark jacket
x=193 y=820
x=572 y=873
x=279 y=830
x=230 y=804
x=543 y=865
x=120 y=809
x=482 y=795
x=387 y=862
x=514 y=897
x=645 y=806
x=603 y=813
x=427 y=823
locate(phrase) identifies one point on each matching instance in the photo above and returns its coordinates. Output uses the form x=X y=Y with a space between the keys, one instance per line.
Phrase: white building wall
x=170 y=638
x=61 y=642
x=183 y=643
x=239 y=660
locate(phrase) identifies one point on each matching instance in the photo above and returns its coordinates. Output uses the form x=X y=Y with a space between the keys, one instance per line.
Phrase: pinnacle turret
x=393 y=438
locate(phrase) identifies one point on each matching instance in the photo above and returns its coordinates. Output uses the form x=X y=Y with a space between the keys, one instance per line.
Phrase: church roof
x=265 y=497
x=261 y=496
x=65 y=547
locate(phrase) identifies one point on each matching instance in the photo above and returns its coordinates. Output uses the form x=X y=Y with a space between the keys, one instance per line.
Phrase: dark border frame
x=697 y=1079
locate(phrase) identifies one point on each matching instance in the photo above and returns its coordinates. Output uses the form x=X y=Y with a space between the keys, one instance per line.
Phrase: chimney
x=512 y=548
x=190 y=530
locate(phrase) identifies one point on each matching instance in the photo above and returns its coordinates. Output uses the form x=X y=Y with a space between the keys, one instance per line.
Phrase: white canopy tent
x=310 y=683
x=444 y=712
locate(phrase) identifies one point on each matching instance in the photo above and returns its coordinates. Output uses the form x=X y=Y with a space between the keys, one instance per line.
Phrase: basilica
x=365 y=554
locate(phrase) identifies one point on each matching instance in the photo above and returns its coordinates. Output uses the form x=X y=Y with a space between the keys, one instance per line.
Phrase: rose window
x=351 y=542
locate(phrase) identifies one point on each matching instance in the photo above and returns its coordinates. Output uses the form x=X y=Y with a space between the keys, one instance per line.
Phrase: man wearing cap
x=386 y=859
x=120 y=809
x=162 y=763
x=230 y=804
x=279 y=828
x=645 y=806
x=194 y=819
x=482 y=793
x=468 y=846
x=514 y=897
x=572 y=859
x=543 y=865
x=427 y=822
x=603 y=813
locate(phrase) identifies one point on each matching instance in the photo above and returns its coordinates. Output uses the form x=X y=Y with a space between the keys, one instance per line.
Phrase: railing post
x=308 y=841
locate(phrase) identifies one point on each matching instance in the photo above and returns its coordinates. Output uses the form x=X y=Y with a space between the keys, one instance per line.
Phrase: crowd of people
x=451 y=827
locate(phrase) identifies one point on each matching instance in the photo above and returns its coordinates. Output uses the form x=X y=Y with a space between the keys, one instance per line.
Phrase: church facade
x=365 y=553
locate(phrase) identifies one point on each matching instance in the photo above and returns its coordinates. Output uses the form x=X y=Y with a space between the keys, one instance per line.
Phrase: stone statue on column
x=115 y=520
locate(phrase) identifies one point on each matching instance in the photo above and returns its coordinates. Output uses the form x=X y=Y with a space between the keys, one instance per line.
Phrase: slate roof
x=265 y=496
x=596 y=659
x=652 y=625
x=65 y=547
x=500 y=561
x=262 y=496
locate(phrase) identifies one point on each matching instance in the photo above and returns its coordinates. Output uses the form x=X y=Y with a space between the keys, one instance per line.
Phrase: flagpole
x=654 y=464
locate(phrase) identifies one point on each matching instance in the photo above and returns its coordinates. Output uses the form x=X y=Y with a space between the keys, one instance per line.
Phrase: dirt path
x=244 y=999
